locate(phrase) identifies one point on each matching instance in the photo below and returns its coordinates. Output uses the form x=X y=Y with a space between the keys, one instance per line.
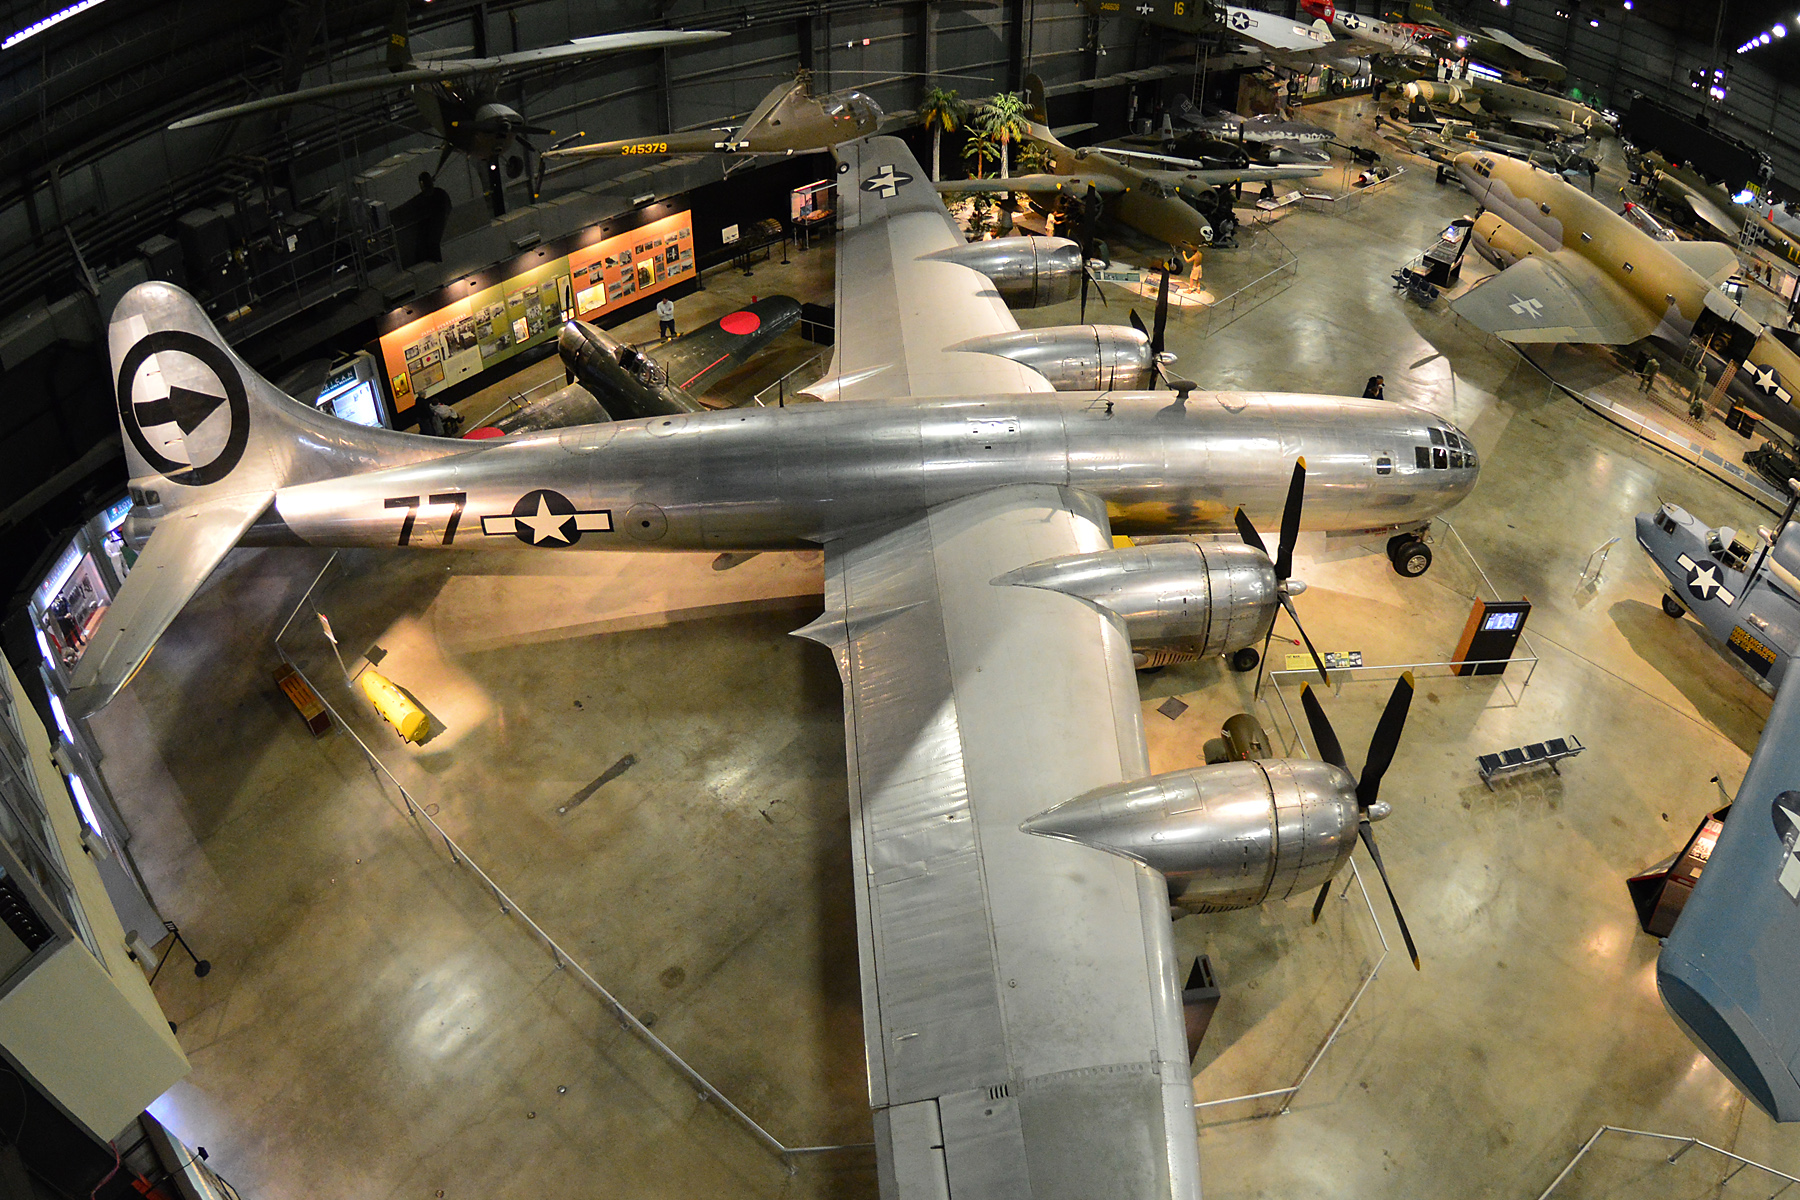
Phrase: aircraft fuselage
x=763 y=479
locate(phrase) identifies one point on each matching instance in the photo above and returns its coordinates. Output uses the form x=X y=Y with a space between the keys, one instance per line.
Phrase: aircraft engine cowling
x=1226 y=836
x=1439 y=91
x=1026 y=271
x=1076 y=358
x=1500 y=243
x=1210 y=599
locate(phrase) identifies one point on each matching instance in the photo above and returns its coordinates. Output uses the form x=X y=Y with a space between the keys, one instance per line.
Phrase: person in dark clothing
x=434 y=215
x=1373 y=389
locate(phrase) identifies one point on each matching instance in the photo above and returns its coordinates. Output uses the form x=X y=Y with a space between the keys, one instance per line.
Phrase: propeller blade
x=1245 y=529
x=1137 y=323
x=1319 y=904
x=1367 y=833
x=1263 y=661
x=1290 y=522
x=1162 y=314
x=1318 y=662
x=1324 y=736
x=1386 y=739
x=539 y=129
x=1084 y=291
x=443 y=157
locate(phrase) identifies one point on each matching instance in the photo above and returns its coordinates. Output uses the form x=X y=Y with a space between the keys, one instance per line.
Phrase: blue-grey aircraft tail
x=208 y=442
x=1730 y=971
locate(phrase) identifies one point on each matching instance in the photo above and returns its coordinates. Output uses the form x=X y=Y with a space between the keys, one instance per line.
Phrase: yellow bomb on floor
x=395 y=707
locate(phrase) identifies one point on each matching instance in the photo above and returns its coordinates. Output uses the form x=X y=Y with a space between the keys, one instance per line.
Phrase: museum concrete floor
x=376 y=1024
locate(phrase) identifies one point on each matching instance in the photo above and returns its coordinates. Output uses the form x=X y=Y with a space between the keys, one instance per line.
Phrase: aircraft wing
x=593 y=47
x=1211 y=177
x=1728 y=972
x=1554 y=125
x=694 y=360
x=1518 y=47
x=1558 y=297
x=1020 y=1005
x=182 y=551
x=1708 y=213
x=897 y=308
x=1715 y=260
x=1078 y=181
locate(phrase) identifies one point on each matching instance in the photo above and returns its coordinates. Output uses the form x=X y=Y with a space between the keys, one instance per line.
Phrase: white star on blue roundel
x=1703 y=581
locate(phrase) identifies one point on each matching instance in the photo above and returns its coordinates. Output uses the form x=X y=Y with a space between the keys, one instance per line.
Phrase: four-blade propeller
x=1091 y=208
x=1283 y=558
x=1157 y=332
x=1368 y=788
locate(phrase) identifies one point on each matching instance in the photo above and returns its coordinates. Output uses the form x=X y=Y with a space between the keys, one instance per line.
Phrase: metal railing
x=1530 y=658
x=301 y=279
x=1688 y=1143
x=1293 y=1089
x=777 y=393
x=1352 y=198
x=562 y=959
x=1270 y=283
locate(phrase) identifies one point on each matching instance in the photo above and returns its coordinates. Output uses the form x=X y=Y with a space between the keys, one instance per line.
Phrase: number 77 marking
x=411 y=505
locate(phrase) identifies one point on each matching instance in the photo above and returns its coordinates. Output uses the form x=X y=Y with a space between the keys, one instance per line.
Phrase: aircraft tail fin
x=208 y=442
x=1036 y=107
x=399 y=53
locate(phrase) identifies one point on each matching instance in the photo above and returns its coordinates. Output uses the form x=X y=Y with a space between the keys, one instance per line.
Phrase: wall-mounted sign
x=483 y=329
x=729 y=234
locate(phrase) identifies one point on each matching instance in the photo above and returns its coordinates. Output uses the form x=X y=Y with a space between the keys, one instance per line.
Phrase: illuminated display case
x=428 y=350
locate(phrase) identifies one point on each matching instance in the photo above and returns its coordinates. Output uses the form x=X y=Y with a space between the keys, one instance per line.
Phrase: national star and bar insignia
x=547 y=518
x=886 y=182
x=1703 y=581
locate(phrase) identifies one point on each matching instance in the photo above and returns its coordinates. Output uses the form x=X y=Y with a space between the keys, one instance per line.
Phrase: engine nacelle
x=1212 y=599
x=1026 y=271
x=1500 y=243
x=1225 y=836
x=1076 y=358
x=1438 y=91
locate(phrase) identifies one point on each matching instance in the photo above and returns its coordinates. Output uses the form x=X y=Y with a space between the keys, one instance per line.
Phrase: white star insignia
x=1532 y=308
x=546 y=525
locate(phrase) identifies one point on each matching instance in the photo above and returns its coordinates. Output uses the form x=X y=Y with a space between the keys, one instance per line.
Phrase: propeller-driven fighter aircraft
x=1167 y=205
x=1365 y=35
x=1021 y=1006
x=1575 y=271
x=459 y=97
x=790 y=120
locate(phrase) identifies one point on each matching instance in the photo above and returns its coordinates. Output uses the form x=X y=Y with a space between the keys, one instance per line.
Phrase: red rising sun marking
x=740 y=322
x=485 y=431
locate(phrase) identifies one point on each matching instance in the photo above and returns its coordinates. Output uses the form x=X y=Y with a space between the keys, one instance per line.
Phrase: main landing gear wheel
x=1673 y=608
x=1245 y=659
x=1410 y=556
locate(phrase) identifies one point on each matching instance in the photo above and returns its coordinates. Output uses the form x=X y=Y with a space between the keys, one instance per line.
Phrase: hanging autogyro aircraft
x=1745 y=597
x=1575 y=271
x=459 y=97
x=790 y=120
x=1021 y=1006
x=1727 y=972
x=1167 y=206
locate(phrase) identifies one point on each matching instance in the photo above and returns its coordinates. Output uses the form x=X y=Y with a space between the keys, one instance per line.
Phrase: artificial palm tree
x=977 y=149
x=1003 y=119
x=942 y=112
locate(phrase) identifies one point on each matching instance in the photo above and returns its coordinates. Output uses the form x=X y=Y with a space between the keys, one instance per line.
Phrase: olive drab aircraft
x=789 y=120
x=975 y=699
x=1713 y=210
x=1521 y=106
x=1575 y=271
x=1168 y=203
x=459 y=97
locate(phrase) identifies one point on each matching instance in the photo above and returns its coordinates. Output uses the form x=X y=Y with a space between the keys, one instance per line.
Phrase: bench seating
x=1537 y=754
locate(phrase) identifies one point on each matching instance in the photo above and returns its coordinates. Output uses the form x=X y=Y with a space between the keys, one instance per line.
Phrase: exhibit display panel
x=485 y=328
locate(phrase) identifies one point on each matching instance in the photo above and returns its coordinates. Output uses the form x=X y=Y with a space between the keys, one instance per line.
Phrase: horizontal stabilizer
x=1715 y=260
x=182 y=551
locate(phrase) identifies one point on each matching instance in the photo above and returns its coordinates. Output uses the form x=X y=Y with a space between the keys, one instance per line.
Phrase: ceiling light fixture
x=55 y=18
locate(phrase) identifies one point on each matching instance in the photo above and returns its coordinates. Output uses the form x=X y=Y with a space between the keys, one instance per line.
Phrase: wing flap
x=1559 y=297
x=181 y=553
